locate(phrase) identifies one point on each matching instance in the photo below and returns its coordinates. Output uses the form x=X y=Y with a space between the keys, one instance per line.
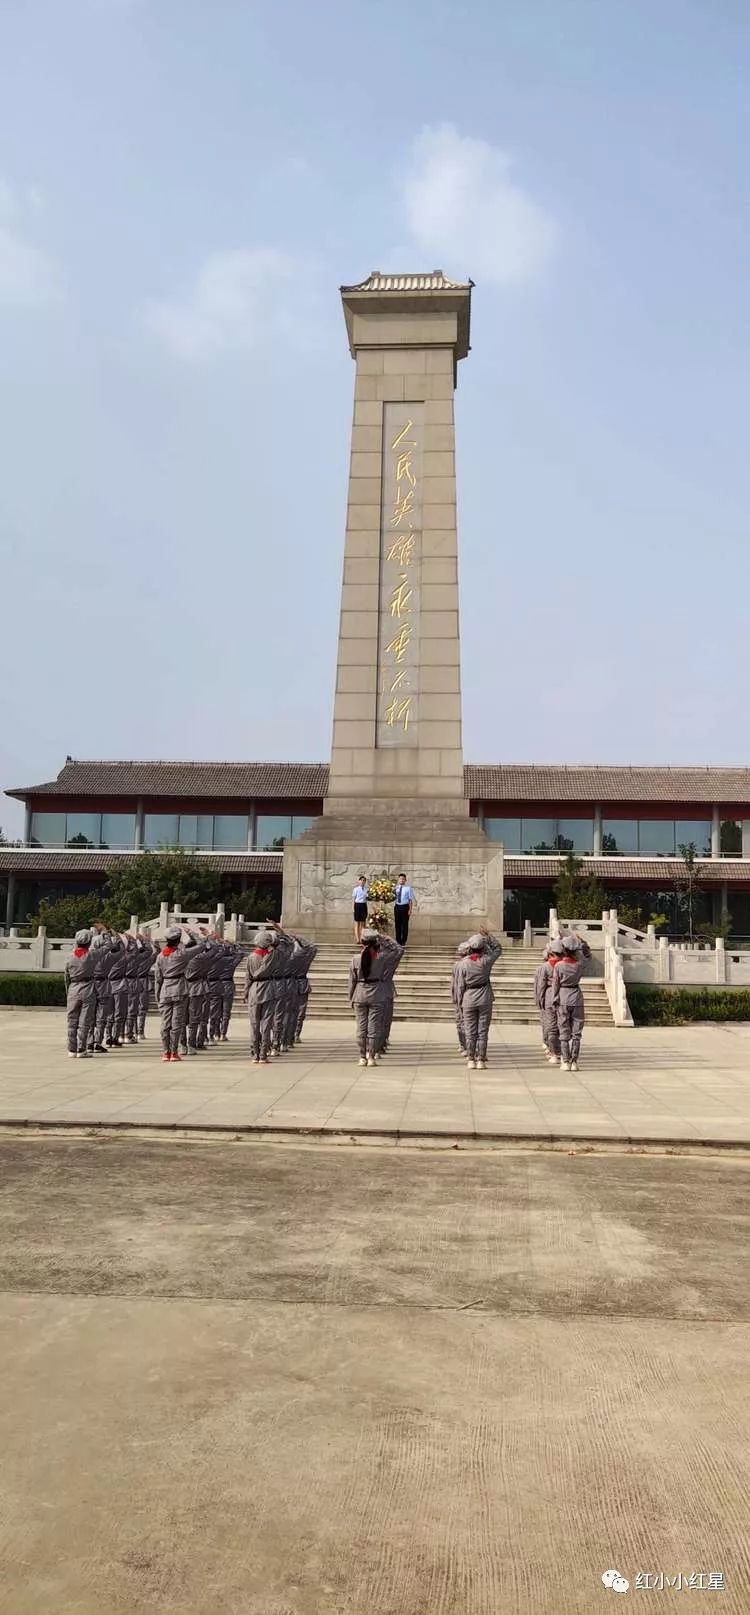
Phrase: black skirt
x=360 y=913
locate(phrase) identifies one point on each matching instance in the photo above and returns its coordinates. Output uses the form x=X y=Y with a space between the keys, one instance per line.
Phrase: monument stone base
x=456 y=872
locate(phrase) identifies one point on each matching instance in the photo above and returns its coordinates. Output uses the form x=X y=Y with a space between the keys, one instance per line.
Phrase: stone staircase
x=423 y=985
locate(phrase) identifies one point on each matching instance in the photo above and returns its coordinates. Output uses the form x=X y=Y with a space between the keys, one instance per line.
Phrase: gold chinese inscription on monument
x=400 y=574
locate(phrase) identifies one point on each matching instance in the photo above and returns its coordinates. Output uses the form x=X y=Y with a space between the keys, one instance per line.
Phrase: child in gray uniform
x=475 y=996
x=567 y=1001
x=461 y=953
x=370 y=981
x=80 y=995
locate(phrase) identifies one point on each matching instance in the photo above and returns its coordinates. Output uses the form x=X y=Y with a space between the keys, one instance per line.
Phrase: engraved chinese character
x=400 y=644
x=399 y=679
x=716 y=1581
x=402 y=438
x=402 y=506
x=400 y=598
x=695 y=1579
x=398 y=712
x=404 y=470
x=402 y=549
x=674 y=1581
x=642 y=1580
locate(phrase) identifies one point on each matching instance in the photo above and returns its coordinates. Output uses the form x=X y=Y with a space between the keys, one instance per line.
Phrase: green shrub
x=678 y=1006
x=39 y=987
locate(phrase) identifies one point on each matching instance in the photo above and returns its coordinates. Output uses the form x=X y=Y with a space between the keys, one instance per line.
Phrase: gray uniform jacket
x=540 y=984
x=169 y=973
x=566 y=980
x=101 y=952
x=473 y=983
x=379 y=985
x=228 y=960
x=118 y=962
x=132 y=960
x=262 y=966
x=199 y=959
x=80 y=972
x=146 y=955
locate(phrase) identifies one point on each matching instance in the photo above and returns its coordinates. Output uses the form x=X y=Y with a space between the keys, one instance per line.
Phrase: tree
x=686 y=883
x=66 y=915
x=577 y=896
x=141 y=884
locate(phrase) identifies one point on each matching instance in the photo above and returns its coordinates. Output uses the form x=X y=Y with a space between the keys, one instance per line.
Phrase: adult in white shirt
x=359 y=899
x=402 y=907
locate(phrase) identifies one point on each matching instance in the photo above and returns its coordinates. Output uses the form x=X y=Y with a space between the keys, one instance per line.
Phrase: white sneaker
x=481 y=1065
x=471 y=1065
x=564 y=1065
x=552 y=1059
x=574 y=1065
x=370 y=1062
x=363 y=1061
x=71 y=1054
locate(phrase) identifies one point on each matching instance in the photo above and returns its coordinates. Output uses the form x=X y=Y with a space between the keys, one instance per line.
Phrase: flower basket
x=382 y=889
x=379 y=919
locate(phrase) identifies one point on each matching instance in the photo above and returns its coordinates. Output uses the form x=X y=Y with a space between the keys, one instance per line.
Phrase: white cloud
x=461 y=200
x=230 y=304
x=28 y=277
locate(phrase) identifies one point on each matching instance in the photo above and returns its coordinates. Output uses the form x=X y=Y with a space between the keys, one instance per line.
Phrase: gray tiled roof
x=434 y=281
x=658 y=871
x=162 y=778
x=489 y=782
x=550 y=782
x=44 y=860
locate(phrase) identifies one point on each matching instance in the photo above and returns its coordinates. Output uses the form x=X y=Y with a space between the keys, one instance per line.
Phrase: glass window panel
x=730 y=838
x=230 y=832
x=205 y=836
x=506 y=830
x=575 y=835
x=161 y=830
x=48 y=829
x=118 y=830
x=656 y=836
x=697 y=830
x=300 y=823
x=619 y=835
x=83 y=829
x=187 y=830
x=538 y=835
x=273 y=830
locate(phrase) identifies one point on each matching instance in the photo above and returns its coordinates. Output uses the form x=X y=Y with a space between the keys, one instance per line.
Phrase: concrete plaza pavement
x=317 y=1379
x=681 y=1084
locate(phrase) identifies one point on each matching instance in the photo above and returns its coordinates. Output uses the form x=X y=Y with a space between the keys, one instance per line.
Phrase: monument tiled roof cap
x=434 y=281
x=550 y=782
x=159 y=778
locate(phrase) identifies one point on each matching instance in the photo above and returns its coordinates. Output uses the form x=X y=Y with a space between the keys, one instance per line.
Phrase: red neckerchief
x=474 y=957
x=261 y=952
x=167 y=951
x=569 y=959
x=80 y=953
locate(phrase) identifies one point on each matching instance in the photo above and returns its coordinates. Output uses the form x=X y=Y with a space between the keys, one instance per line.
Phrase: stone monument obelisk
x=396 y=794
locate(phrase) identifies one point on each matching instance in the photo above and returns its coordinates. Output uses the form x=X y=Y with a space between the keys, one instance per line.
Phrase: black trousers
x=401 y=921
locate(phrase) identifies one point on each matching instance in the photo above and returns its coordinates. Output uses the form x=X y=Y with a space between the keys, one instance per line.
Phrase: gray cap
x=370 y=934
x=463 y=948
x=571 y=942
x=556 y=947
x=173 y=933
x=264 y=939
x=83 y=939
x=477 y=942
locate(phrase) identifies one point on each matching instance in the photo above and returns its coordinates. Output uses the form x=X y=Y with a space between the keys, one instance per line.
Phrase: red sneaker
x=176 y=1057
x=166 y=1057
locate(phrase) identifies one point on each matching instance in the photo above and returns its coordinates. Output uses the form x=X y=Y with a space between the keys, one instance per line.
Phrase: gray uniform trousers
x=215 y=1006
x=81 y=1009
x=197 y=997
x=227 y=1000
x=369 y=1014
x=173 y=1005
x=457 y=1006
x=303 y=999
x=477 y=1015
x=119 y=1008
x=104 y=1008
x=570 y=1019
x=144 y=990
x=550 y=1031
x=261 y=1003
x=134 y=994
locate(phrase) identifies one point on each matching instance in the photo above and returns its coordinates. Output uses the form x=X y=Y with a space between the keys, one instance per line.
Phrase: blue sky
x=183 y=187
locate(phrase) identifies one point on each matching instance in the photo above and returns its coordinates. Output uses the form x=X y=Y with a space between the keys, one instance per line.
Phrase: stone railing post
x=163 y=917
x=554 y=923
x=133 y=927
x=39 y=950
x=220 y=919
x=721 y=960
x=664 y=960
x=528 y=939
x=651 y=936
